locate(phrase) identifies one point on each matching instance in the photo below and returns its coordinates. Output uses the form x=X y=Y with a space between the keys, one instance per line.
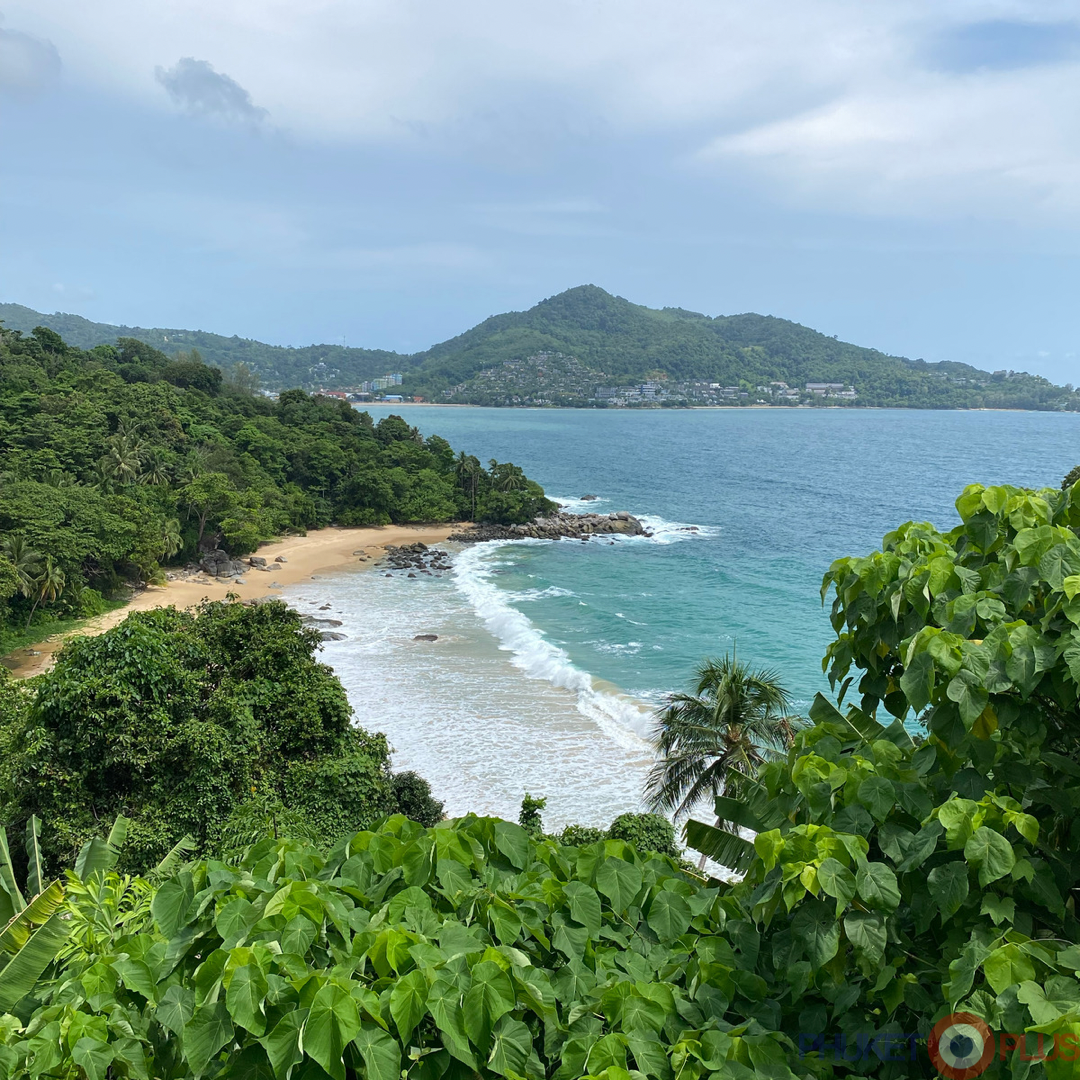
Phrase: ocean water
x=552 y=656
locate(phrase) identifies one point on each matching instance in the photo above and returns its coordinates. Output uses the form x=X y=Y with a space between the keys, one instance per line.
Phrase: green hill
x=612 y=341
x=278 y=367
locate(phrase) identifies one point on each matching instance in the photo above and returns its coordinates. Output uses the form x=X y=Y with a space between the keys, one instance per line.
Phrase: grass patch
x=44 y=627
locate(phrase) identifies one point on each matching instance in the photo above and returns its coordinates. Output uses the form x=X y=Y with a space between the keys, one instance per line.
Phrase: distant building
x=393 y=399
x=384 y=382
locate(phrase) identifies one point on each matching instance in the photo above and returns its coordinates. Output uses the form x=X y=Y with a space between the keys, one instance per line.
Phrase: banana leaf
x=19 y=929
x=34 y=876
x=18 y=977
x=11 y=899
x=172 y=862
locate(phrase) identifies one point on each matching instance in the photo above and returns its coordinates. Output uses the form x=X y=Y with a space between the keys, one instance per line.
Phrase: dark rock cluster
x=557 y=527
x=416 y=558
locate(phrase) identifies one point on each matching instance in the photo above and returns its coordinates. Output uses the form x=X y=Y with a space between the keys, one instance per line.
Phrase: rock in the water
x=589 y=498
x=329 y=635
x=426 y=637
x=556 y=527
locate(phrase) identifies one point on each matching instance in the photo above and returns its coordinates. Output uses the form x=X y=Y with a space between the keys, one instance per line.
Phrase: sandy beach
x=318 y=552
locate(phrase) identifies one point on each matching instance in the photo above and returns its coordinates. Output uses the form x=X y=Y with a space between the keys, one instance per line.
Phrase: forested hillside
x=116 y=461
x=615 y=343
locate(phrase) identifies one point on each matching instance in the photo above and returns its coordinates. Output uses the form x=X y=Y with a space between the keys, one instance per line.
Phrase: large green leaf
x=669 y=916
x=620 y=881
x=17 y=932
x=948 y=885
x=490 y=997
x=838 y=881
x=444 y=1003
x=334 y=1021
x=990 y=853
x=282 y=1045
x=511 y=1045
x=817 y=931
x=381 y=1053
x=408 y=1003
x=876 y=884
x=11 y=897
x=24 y=969
x=208 y=1030
x=245 y=998
x=584 y=905
x=866 y=932
x=726 y=848
x=35 y=876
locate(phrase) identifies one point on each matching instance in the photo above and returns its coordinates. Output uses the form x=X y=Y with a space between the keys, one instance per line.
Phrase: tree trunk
x=701 y=864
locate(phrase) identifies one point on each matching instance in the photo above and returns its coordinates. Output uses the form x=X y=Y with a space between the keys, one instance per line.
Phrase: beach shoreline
x=321 y=551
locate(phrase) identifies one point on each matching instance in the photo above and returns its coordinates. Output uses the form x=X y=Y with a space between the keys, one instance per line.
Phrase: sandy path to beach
x=318 y=552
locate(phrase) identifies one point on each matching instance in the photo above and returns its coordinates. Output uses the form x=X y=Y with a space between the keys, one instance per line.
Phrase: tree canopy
x=116 y=461
x=180 y=720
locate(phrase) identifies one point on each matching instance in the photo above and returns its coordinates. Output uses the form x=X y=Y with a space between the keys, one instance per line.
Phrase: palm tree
x=25 y=559
x=506 y=477
x=48 y=586
x=171 y=541
x=735 y=720
x=154 y=471
x=123 y=459
x=468 y=472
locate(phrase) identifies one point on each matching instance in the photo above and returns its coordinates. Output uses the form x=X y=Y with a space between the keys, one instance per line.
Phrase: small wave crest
x=550 y=592
x=577 y=506
x=618 y=715
x=674 y=532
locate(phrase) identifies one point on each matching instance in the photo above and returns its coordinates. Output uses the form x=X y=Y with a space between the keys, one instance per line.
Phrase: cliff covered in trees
x=118 y=460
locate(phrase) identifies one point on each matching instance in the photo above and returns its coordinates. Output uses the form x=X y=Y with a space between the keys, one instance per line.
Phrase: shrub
x=646 y=832
x=413 y=798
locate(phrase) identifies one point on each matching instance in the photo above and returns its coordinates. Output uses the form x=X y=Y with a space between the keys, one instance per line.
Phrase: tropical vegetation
x=736 y=719
x=915 y=853
x=119 y=461
x=590 y=338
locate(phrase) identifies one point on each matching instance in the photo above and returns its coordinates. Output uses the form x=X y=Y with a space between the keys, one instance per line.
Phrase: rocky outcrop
x=218 y=563
x=557 y=527
x=416 y=557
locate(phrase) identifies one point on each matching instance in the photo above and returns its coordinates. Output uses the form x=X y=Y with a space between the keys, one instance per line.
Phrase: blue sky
x=905 y=175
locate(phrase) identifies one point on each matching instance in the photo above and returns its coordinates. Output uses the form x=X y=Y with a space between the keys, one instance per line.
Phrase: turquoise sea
x=550 y=655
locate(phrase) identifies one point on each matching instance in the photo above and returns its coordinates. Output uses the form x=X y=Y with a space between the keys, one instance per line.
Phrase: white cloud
x=837 y=104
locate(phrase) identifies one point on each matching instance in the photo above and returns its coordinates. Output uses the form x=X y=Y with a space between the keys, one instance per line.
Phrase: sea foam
x=618 y=715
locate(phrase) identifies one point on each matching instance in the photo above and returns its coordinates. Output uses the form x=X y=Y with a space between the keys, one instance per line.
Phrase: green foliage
x=894 y=880
x=579 y=835
x=529 y=817
x=645 y=832
x=465 y=950
x=118 y=459
x=735 y=719
x=413 y=798
x=181 y=719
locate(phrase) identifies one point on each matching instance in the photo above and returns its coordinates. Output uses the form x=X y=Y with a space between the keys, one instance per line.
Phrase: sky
x=904 y=174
